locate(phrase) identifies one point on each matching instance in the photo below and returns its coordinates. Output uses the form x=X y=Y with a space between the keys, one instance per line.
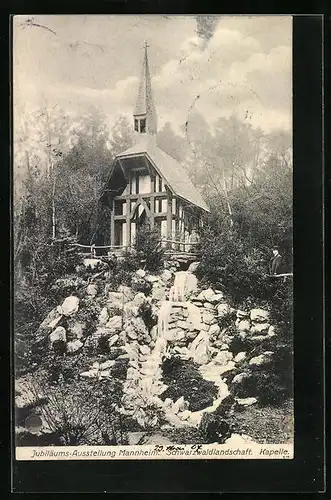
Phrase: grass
x=268 y=425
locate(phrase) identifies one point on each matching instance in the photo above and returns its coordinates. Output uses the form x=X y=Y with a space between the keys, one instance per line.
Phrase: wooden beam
x=152 y=202
x=160 y=195
x=169 y=216
x=128 y=221
x=112 y=224
x=158 y=215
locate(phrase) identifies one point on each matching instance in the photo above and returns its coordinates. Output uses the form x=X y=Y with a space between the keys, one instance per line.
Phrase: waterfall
x=163 y=318
x=148 y=372
x=177 y=291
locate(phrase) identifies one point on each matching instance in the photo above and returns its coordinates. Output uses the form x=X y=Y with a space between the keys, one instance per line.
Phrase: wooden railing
x=93 y=248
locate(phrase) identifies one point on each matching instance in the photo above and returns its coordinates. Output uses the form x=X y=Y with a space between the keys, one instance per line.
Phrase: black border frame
x=306 y=472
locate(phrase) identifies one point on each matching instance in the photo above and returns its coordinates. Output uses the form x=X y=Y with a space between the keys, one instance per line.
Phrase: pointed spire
x=145 y=109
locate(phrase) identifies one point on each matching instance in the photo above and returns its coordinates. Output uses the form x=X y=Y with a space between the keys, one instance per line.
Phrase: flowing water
x=149 y=372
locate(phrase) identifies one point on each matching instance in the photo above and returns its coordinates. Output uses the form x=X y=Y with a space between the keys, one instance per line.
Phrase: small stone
x=103 y=316
x=193 y=267
x=166 y=276
x=141 y=273
x=223 y=357
x=216 y=298
x=246 y=401
x=107 y=364
x=58 y=334
x=183 y=324
x=115 y=300
x=214 y=330
x=178 y=405
x=242 y=314
x=74 y=346
x=261 y=360
x=244 y=325
x=239 y=357
x=70 y=305
x=237 y=379
x=206 y=295
x=131 y=333
x=153 y=279
x=208 y=318
x=90 y=374
x=144 y=349
x=223 y=310
x=184 y=415
x=208 y=305
x=115 y=323
x=271 y=331
x=259 y=315
x=92 y=290
x=113 y=340
x=260 y=328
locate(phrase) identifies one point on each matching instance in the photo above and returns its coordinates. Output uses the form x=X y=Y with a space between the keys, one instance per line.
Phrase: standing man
x=194 y=239
x=275 y=261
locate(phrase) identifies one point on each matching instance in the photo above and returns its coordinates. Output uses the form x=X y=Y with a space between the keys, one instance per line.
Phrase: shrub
x=80 y=413
x=149 y=249
x=184 y=379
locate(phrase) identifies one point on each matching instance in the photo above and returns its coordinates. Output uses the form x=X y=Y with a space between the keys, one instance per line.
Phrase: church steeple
x=144 y=115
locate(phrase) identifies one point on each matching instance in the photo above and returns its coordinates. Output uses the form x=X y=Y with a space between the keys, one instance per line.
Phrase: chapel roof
x=169 y=168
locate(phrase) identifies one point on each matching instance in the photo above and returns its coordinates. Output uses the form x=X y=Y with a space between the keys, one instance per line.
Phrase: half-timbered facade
x=148 y=185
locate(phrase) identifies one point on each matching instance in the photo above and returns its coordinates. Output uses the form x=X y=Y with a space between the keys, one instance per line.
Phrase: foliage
x=149 y=249
x=184 y=379
x=80 y=413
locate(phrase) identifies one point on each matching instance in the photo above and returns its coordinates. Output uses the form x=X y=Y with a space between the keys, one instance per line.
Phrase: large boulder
x=69 y=306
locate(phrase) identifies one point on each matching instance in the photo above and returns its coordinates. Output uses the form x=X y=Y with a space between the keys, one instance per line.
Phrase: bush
x=80 y=413
x=149 y=248
x=184 y=379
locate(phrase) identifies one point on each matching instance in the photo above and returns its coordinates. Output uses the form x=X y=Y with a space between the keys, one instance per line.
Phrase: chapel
x=148 y=186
